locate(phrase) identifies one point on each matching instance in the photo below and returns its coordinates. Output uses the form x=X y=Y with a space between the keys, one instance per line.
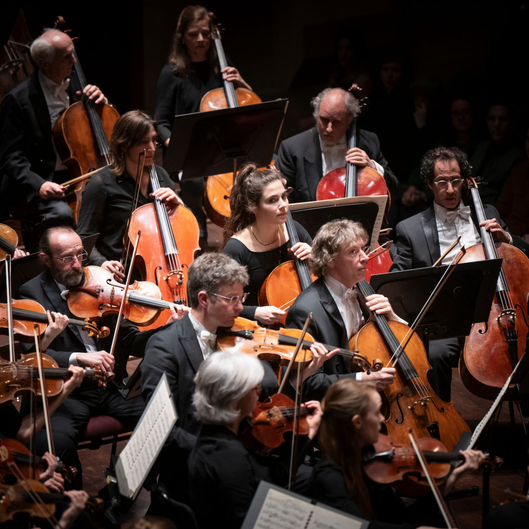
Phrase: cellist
x=191 y=71
x=32 y=171
x=423 y=238
x=307 y=157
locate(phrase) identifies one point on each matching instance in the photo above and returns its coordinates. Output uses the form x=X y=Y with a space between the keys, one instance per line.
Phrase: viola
x=166 y=248
x=277 y=346
x=100 y=296
x=286 y=282
x=23 y=375
x=492 y=349
x=17 y=461
x=218 y=187
x=8 y=241
x=411 y=402
x=349 y=181
x=81 y=135
x=26 y=313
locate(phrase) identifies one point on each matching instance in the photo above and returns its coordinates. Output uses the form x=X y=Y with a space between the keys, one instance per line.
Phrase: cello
x=350 y=182
x=81 y=135
x=166 y=248
x=492 y=349
x=218 y=187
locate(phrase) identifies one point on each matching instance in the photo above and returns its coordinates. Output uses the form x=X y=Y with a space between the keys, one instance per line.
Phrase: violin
x=8 y=241
x=411 y=402
x=218 y=187
x=27 y=312
x=100 y=296
x=492 y=349
x=165 y=250
x=81 y=135
x=286 y=282
x=23 y=375
x=277 y=347
x=350 y=182
x=14 y=454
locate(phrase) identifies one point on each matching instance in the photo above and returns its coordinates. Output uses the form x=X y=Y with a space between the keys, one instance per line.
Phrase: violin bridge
x=423 y=402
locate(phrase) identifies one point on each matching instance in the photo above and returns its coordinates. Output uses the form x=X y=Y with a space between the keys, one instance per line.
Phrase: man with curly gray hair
x=305 y=158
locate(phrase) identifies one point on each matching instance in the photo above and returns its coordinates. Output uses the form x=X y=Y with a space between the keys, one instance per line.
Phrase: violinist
x=108 y=195
x=192 y=71
x=31 y=169
x=216 y=285
x=62 y=253
x=307 y=157
x=423 y=238
x=256 y=235
x=339 y=261
x=349 y=427
x=221 y=469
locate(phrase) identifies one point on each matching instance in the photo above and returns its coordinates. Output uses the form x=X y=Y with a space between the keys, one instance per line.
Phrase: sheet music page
x=283 y=511
x=137 y=458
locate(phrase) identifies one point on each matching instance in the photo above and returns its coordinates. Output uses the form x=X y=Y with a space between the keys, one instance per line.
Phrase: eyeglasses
x=258 y=389
x=443 y=184
x=366 y=249
x=232 y=299
x=81 y=256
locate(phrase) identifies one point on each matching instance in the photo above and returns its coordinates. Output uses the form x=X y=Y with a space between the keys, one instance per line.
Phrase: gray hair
x=221 y=381
x=329 y=241
x=211 y=270
x=349 y=99
x=42 y=48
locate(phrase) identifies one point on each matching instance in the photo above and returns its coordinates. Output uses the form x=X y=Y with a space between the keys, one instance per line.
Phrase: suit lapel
x=189 y=342
x=330 y=307
x=313 y=165
x=38 y=101
x=429 y=225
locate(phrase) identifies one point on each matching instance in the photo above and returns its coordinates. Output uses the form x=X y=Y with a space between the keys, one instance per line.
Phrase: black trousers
x=443 y=355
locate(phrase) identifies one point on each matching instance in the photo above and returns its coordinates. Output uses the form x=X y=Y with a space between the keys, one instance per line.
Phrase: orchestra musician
x=62 y=253
x=307 y=157
x=192 y=71
x=423 y=238
x=339 y=261
x=216 y=293
x=350 y=425
x=108 y=195
x=221 y=468
x=256 y=235
x=31 y=169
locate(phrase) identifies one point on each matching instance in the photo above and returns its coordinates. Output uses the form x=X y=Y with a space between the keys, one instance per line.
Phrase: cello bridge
x=423 y=401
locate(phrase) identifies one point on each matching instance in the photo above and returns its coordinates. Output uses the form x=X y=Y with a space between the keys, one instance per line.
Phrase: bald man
x=30 y=170
x=305 y=158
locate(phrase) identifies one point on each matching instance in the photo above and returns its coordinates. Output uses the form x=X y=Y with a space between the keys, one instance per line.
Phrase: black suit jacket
x=417 y=239
x=27 y=157
x=327 y=327
x=300 y=161
x=131 y=341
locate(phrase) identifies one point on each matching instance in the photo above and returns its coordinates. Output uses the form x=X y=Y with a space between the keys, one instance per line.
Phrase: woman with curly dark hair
x=256 y=235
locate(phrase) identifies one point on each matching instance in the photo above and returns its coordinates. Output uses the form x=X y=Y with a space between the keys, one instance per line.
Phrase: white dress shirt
x=207 y=340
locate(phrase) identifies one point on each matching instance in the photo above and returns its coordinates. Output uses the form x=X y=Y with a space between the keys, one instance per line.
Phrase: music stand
x=210 y=143
x=465 y=298
x=369 y=211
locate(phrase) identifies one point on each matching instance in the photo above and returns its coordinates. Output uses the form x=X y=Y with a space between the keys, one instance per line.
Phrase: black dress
x=106 y=208
x=176 y=95
x=260 y=264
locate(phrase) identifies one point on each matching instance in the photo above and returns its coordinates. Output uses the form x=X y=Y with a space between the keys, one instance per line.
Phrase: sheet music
x=138 y=457
x=281 y=510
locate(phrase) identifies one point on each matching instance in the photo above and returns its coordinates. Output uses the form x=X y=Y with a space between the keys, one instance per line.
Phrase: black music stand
x=465 y=298
x=216 y=142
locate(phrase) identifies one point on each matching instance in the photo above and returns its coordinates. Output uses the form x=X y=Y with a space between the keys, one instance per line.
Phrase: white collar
x=52 y=87
x=440 y=211
x=336 y=287
x=324 y=147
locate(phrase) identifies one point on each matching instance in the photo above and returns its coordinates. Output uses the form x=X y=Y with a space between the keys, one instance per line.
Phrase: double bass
x=348 y=182
x=492 y=349
x=81 y=135
x=218 y=187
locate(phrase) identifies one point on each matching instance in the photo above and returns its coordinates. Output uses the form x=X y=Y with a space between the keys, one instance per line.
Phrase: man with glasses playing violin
x=62 y=253
x=423 y=238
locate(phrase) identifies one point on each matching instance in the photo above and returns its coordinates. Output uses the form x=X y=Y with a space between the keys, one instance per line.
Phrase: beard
x=70 y=278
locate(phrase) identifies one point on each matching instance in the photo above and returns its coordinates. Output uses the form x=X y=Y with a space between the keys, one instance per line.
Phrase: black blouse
x=260 y=265
x=105 y=210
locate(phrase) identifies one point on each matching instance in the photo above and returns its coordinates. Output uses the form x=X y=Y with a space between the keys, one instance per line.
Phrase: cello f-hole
x=401 y=419
x=485 y=330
